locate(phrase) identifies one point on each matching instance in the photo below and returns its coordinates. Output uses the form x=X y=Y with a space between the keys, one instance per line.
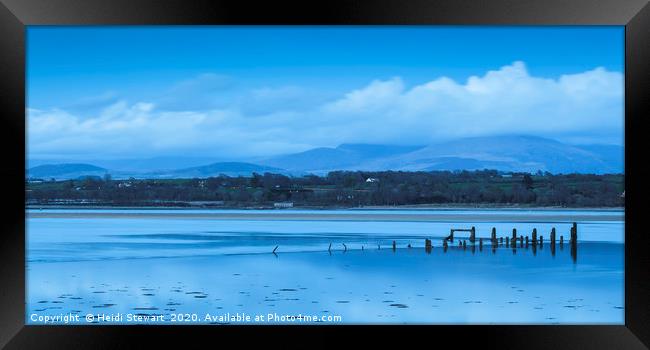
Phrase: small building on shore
x=283 y=205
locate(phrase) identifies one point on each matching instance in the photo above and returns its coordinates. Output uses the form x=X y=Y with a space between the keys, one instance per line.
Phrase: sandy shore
x=443 y=217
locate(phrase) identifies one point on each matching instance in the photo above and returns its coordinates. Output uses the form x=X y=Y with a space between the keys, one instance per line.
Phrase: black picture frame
x=16 y=14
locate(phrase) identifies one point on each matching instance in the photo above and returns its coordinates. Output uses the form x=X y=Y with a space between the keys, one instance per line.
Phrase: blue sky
x=248 y=91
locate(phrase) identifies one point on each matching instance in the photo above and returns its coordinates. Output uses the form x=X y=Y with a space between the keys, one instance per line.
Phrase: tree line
x=343 y=189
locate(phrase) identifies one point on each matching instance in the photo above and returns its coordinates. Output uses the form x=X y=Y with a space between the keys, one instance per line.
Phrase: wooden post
x=494 y=234
x=514 y=234
x=472 y=235
x=541 y=241
x=553 y=236
x=501 y=240
x=508 y=242
x=521 y=241
x=427 y=245
x=480 y=244
x=534 y=238
x=394 y=246
x=574 y=233
x=526 y=241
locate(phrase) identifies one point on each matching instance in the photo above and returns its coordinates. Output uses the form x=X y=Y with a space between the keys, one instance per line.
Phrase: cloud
x=271 y=120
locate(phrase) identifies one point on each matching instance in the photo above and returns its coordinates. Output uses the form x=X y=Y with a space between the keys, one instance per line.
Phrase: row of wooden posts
x=534 y=241
x=509 y=242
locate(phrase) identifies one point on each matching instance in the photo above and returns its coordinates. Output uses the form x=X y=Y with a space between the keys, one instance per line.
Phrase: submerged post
x=514 y=234
x=472 y=235
x=526 y=241
x=494 y=234
x=521 y=242
x=427 y=245
x=394 y=246
x=480 y=244
x=508 y=242
x=541 y=242
x=534 y=238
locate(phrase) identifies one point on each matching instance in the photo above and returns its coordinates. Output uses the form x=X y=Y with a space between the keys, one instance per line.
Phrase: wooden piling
x=427 y=245
x=480 y=244
x=521 y=241
x=508 y=242
x=534 y=236
x=526 y=241
x=553 y=236
x=514 y=234
x=472 y=235
x=541 y=241
x=394 y=246
x=494 y=234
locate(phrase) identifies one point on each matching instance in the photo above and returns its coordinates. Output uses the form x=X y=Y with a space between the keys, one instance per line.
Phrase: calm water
x=140 y=265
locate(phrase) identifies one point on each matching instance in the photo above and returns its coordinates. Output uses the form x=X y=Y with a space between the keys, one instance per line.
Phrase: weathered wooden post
x=534 y=236
x=561 y=241
x=494 y=234
x=574 y=242
x=514 y=234
x=480 y=244
x=541 y=241
x=427 y=245
x=526 y=241
x=501 y=240
x=574 y=232
x=394 y=246
x=521 y=241
x=508 y=242
x=553 y=236
x=472 y=235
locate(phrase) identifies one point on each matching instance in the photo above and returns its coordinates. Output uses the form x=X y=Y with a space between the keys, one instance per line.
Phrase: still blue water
x=164 y=266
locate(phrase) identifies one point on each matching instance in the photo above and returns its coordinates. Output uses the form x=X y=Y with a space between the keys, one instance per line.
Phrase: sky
x=238 y=92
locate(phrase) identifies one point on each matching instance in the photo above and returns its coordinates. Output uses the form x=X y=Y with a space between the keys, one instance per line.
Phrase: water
x=168 y=264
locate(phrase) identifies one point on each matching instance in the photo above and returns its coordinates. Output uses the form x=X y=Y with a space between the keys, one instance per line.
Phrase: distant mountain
x=506 y=153
x=343 y=157
x=216 y=169
x=517 y=153
x=65 y=171
x=146 y=165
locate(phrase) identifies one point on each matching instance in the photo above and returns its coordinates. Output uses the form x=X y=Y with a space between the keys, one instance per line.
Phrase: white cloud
x=271 y=120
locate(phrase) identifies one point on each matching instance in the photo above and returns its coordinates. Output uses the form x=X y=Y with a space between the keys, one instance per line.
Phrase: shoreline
x=415 y=207
x=379 y=217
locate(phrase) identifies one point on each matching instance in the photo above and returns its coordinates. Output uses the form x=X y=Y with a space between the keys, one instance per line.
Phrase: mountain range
x=508 y=153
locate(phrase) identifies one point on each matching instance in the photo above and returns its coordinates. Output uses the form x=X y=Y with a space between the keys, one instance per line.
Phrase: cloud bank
x=586 y=107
